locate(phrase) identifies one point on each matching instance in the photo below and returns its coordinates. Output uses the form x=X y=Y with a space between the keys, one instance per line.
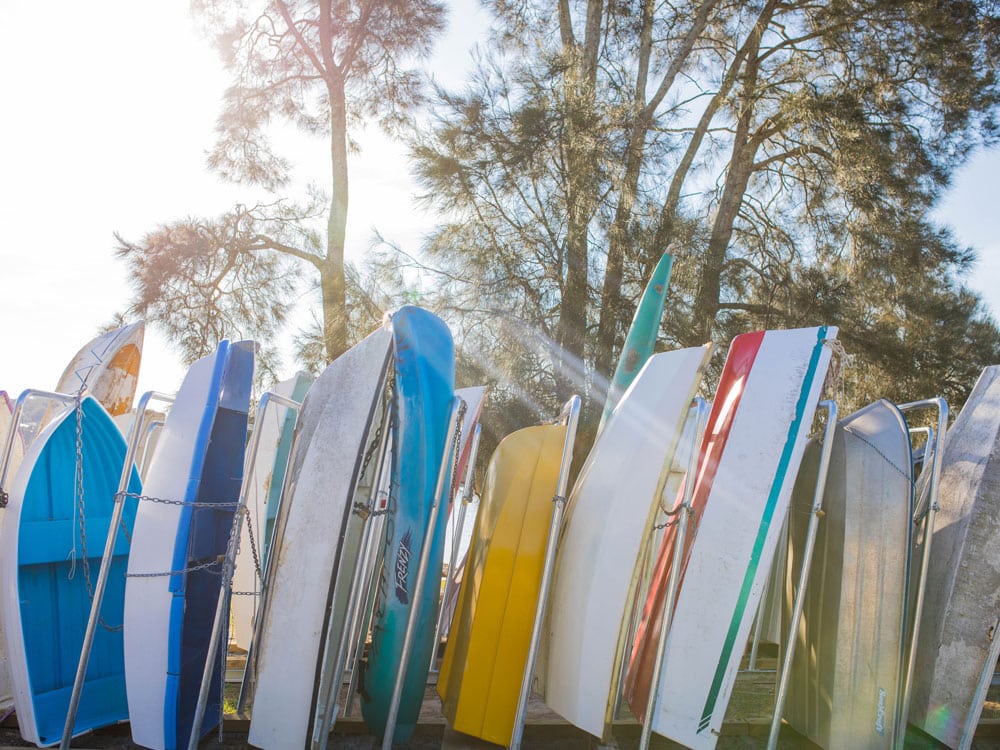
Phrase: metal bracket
x=571 y=416
x=799 y=601
x=128 y=466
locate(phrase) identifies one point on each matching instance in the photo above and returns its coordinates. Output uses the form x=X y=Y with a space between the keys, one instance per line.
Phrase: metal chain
x=81 y=510
x=193 y=569
x=78 y=490
x=361 y=509
x=456 y=444
x=220 y=560
x=365 y=512
x=228 y=568
x=907 y=475
x=372 y=447
x=258 y=567
x=184 y=503
x=665 y=524
x=671 y=521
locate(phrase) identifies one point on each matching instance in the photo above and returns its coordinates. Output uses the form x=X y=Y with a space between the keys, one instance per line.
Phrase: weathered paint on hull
x=958 y=642
x=847 y=669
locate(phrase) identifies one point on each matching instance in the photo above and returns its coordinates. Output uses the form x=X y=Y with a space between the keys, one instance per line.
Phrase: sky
x=108 y=111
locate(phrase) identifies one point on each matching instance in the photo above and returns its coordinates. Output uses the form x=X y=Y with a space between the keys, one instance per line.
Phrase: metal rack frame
x=934 y=481
x=465 y=494
x=443 y=481
x=228 y=565
x=102 y=579
x=683 y=513
x=798 y=602
x=570 y=416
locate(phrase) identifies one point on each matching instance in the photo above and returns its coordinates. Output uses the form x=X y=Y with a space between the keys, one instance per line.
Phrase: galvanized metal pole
x=357 y=595
x=373 y=561
x=807 y=552
x=456 y=538
x=143 y=462
x=102 y=577
x=248 y=684
x=932 y=509
x=758 y=627
x=667 y=616
x=570 y=416
x=222 y=603
x=443 y=481
x=928 y=433
x=15 y=418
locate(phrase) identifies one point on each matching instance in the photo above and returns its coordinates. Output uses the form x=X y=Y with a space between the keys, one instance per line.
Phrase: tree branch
x=263 y=242
x=302 y=43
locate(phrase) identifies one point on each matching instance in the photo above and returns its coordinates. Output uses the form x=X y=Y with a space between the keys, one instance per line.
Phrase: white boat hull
x=609 y=516
x=305 y=566
x=735 y=539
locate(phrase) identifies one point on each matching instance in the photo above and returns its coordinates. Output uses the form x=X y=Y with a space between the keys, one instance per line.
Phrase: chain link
x=372 y=447
x=456 y=480
x=364 y=510
x=184 y=503
x=258 y=567
x=192 y=569
x=218 y=561
x=81 y=510
x=80 y=507
x=671 y=521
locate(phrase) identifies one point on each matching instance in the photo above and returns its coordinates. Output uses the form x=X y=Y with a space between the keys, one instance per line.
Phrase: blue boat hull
x=45 y=629
x=424 y=361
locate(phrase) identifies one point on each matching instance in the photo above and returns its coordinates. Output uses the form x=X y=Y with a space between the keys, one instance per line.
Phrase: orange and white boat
x=108 y=368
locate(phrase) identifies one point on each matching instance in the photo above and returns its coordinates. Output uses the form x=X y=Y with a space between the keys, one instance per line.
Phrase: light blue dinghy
x=299 y=386
x=49 y=533
x=173 y=583
x=424 y=389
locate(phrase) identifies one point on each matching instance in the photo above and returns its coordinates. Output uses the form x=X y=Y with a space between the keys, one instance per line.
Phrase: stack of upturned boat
x=337 y=508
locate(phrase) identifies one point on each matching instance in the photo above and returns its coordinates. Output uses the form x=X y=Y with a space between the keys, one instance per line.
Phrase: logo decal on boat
x=403 y=567
x=631 y=360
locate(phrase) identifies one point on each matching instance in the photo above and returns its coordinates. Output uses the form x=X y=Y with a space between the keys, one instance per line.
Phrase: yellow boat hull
x=480 y=677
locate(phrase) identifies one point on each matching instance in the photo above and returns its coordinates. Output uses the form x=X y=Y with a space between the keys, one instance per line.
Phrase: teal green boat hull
x=642 y=335
x=422 y=396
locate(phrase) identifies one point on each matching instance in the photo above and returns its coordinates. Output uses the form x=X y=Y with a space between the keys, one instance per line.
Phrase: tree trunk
x=578 y=91
x=332 y=281
x=668 y=214
x=614 y=313
x=706 y=301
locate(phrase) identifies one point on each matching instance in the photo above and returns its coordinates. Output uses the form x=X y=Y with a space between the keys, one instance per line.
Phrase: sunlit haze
x=108 y=110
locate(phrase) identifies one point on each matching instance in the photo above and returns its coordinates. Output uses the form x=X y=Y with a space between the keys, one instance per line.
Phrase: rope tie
x=840 y=360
